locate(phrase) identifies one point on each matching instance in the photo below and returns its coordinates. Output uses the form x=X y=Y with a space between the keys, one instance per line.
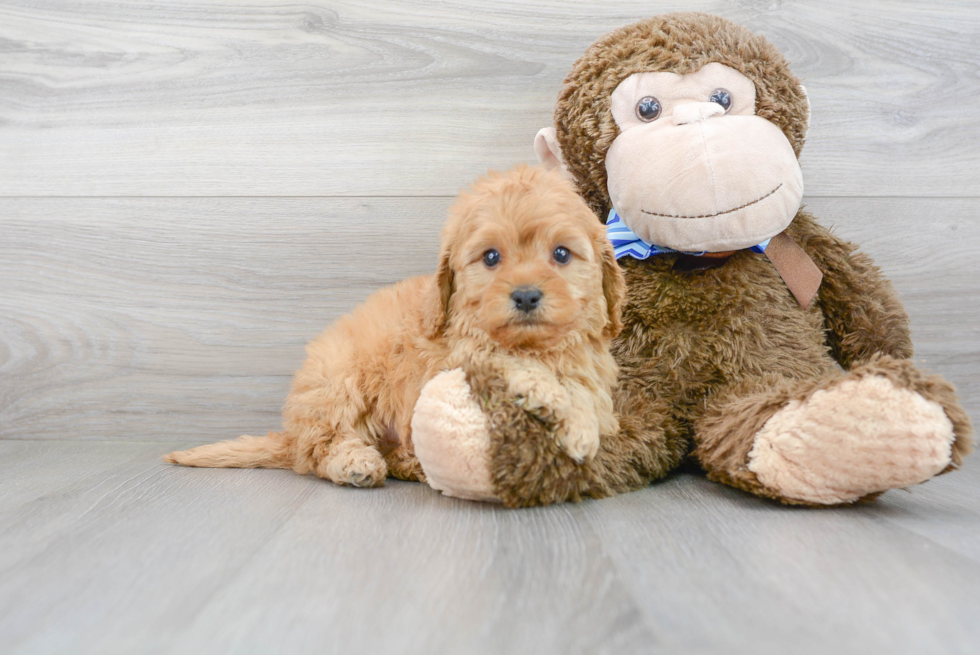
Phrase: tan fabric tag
x=796 y=268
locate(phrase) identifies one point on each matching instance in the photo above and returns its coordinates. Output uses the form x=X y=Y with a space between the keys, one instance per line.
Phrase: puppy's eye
x=561 y=255
x=491 y=258
x=722 y=97
x=648 y=109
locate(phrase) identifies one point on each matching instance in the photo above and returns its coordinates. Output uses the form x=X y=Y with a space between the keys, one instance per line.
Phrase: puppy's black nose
x=526 y=299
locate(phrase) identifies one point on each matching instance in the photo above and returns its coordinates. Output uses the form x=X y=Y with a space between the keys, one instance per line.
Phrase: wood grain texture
x=166 y=318
x=142 y=557
x=303 y=155
x=720 y=572
x=170 y=317
x=417 y=97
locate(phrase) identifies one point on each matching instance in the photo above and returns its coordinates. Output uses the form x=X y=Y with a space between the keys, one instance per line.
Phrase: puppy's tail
x=245 y=452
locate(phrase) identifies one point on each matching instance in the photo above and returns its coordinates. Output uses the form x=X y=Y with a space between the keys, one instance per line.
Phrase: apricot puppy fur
x=527 y=285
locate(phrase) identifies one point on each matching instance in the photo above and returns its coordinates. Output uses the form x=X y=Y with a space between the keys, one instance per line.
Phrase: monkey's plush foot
x=353 y=463
x=861 y=436
x=451 y=438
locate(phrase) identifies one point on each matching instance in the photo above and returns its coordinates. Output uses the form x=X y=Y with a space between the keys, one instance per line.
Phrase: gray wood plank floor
x=103 y=549
x=191 y=190
x=159 y=318
x=416 y=97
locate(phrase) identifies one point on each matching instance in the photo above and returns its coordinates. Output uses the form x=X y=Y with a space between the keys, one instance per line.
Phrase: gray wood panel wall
x=190 y=191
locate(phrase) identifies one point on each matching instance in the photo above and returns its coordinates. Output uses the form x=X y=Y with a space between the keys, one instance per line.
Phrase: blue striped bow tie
x=626 y=243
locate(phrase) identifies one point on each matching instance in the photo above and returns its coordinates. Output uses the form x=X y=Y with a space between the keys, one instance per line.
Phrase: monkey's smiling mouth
x=727 y=211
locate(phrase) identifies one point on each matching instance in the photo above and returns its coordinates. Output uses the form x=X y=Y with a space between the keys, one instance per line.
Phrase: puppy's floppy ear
x=437 y=309
x=613 y=285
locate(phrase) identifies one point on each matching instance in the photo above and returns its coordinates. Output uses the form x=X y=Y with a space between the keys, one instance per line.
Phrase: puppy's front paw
x=539 y=393
x=580 y=438
x=354 y=465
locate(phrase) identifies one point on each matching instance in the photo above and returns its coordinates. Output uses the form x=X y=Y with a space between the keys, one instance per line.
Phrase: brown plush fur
x=707 y=356
x=528 y=468
x=348 y=416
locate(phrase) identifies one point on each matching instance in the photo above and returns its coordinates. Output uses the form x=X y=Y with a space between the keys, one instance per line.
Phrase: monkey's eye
x=722 y=97
x=648 y=109
x=491 y=258
x=561 y=255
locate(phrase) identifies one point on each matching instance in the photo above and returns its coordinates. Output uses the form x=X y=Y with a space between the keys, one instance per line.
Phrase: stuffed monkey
x=755 y=342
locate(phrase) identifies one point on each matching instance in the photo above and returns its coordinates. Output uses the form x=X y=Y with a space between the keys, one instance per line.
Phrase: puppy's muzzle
x=526 y=299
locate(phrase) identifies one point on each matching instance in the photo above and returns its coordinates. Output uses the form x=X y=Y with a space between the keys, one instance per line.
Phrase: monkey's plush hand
x=474 y=441
x=451 y=438
x=464 y=422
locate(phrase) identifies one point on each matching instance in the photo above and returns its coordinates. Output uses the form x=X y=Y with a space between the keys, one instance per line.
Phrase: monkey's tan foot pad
x=861 y=436
x=451 y=438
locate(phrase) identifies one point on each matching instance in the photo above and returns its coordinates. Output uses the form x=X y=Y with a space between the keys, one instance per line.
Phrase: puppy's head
x=525 y=261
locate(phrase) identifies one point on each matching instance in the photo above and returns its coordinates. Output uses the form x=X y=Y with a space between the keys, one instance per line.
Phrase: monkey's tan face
x=529 y=280
x=693 y=168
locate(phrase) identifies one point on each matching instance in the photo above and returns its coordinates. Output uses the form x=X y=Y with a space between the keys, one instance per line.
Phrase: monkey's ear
x=440 y=295
x=613 y=286
x=548 y=151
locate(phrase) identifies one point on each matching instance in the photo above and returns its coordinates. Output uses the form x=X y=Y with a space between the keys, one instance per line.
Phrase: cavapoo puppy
x=527 y=285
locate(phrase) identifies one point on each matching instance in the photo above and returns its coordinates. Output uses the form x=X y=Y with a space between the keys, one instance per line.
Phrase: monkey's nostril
x=526 y=299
